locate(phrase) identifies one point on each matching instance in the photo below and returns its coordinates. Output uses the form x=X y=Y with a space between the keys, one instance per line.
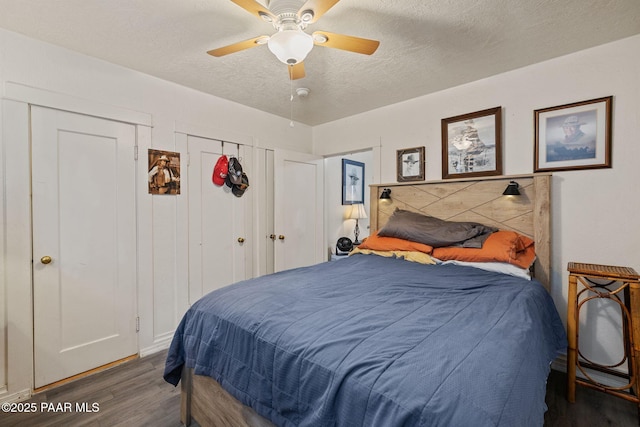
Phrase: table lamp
x=357 y=212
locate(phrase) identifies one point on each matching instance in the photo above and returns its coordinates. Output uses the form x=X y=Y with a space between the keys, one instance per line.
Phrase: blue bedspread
x=373 y=341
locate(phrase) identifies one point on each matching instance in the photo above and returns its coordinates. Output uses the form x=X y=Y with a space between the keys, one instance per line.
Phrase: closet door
x=84 y=243
x=262 y=194
x=219 y=222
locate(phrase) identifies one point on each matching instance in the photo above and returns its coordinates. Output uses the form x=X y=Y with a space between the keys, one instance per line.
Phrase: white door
x=84 y=247
x=262 y=192
x=219 y=222
x=299 y=214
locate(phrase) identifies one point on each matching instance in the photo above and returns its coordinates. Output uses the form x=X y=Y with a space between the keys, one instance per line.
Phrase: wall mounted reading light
x=386 y=194
x=512 y=189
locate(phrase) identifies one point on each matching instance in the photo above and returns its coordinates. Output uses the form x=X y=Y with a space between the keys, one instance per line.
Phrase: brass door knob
x=45 y=259
x=272 y=236
x=240 y=239
x=281 y=237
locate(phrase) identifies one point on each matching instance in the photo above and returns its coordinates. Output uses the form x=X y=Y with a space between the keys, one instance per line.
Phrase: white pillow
x=498 y=267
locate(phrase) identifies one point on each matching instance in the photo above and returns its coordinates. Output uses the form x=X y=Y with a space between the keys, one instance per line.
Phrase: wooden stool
x=629 y=286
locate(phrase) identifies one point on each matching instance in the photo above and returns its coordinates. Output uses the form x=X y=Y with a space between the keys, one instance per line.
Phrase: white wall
x=75 y=79
x=593 y=212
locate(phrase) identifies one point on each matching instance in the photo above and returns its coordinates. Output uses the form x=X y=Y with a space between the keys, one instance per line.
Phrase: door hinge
x=137 y=324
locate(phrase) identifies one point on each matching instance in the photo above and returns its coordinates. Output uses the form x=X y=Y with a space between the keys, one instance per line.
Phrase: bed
x=383 y=338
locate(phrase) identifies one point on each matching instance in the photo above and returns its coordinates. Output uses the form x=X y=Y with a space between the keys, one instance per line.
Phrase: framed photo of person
x=163 y=172
x=573 y=136
x=410 y=164
x=352 y=182
x=472 y=144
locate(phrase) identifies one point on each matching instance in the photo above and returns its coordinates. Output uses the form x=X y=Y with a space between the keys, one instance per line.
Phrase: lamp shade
x=358 y=211
x=290 y=46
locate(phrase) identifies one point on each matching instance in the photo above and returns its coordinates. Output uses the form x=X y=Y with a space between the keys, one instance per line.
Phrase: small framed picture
x=573 y=136
x=164 y=172
x=410 y=166
x=472 y=144
x=352 y=182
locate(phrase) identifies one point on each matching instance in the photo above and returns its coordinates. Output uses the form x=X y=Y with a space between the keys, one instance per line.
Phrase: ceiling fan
x=290 y=44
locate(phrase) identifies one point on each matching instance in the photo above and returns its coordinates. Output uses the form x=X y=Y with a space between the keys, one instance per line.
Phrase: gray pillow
x=434 y=231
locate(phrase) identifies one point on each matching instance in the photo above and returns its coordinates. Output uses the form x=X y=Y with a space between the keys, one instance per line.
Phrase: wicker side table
x=598 y=282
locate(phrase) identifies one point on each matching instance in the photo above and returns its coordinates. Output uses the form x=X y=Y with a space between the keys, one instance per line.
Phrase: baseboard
x=161 y=343
x=14 y=397
x=560 y=364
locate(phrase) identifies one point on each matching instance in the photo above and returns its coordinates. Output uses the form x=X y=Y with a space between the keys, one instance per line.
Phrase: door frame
x=17 y=253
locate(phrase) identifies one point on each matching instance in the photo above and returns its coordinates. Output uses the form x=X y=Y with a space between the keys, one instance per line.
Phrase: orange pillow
x=378 y=243
x=501 y=246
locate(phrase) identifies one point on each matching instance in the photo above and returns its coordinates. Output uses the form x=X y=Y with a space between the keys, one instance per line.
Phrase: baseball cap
x=235 y=171
x=220 y=170
x=239 y=189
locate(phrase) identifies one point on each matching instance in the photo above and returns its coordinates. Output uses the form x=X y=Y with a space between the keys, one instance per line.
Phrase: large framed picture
x=410 y=166
x=472 y=144
x=352 y=182
x=573 y=136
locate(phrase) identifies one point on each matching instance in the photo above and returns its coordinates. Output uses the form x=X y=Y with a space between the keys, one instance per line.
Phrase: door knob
x=281 y=237
x=240 y=239
x=272 y=236
x=45 y=259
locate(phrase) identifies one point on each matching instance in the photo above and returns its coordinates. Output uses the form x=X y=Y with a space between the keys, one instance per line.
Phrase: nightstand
x=612 y=283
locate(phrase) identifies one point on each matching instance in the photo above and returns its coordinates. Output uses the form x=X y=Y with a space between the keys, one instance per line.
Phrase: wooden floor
x=134 y=394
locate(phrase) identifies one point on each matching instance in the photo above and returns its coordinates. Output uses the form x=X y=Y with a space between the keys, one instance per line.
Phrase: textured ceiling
x=426 y=45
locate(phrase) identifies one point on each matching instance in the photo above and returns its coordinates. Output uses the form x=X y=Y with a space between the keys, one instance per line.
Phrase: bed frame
x=206 y=402
x=479 y=200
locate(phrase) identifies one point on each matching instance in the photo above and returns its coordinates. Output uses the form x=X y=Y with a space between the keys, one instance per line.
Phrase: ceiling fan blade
x=256 y=9
x=350 y=43
x=319 y=8
x=296 y=71
x=236 y=47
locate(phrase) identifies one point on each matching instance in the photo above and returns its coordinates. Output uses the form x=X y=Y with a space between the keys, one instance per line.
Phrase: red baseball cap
x=220 y=170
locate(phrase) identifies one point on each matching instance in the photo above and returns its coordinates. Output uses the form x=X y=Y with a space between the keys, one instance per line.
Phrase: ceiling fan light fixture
x=290 y=46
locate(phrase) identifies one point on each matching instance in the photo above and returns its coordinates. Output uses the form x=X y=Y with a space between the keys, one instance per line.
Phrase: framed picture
x=472 y=144
x=410 y=166
x=164 y=172
x=352 y=182
x=573 y=136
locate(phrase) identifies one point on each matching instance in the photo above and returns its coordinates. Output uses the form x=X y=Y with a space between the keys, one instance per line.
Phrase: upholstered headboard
x=478 y=200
